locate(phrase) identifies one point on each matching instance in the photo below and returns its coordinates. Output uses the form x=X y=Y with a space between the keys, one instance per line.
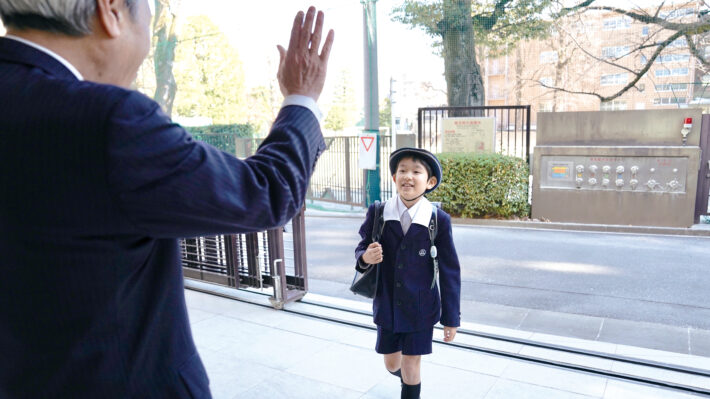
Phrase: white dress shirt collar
x=419 y=212
x=49 y=52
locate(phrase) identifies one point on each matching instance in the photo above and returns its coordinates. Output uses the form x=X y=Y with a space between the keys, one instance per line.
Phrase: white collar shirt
x=419 y=212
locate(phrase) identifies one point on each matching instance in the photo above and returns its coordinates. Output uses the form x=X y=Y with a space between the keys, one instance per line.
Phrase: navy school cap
x=427 y=156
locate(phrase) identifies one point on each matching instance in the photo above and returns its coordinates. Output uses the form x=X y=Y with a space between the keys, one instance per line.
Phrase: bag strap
x=433 y=230
x=378 y=224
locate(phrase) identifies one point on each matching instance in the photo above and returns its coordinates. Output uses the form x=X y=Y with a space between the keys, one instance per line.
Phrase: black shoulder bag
x=365 y=283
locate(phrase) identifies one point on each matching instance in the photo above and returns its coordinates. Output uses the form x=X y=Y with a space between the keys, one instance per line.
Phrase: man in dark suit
x=97 y=184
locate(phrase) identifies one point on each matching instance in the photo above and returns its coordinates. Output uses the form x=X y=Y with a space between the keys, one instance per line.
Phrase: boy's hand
x=373 y=254
x=449 y=333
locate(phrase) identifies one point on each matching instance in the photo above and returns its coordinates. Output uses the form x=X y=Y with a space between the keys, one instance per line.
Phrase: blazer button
x=404 y=246
x=399 y=303
x=398 y=284
x=400 y=266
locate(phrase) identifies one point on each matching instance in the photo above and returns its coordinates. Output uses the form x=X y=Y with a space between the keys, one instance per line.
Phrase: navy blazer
x=405 y=300
x=97 y=184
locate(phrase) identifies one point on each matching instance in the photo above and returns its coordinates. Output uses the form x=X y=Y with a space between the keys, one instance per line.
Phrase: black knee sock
x=411 y=391
x=397 y=373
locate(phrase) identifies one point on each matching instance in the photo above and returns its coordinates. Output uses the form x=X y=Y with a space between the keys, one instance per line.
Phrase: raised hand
x=302 y=69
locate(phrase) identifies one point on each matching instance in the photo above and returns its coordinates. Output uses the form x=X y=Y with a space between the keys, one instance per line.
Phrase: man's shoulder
x=95 y=98
x=110 y=95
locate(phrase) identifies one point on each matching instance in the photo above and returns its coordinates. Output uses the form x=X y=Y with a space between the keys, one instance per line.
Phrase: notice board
x=470 y=134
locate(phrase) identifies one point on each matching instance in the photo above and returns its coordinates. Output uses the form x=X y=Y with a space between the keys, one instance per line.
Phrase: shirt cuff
x=303 y=101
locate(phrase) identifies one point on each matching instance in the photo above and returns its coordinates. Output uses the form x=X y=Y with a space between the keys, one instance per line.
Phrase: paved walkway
x=253 y=351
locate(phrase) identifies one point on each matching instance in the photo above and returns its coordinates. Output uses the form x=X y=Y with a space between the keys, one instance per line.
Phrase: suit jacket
x=405 y=300
x=97 y=184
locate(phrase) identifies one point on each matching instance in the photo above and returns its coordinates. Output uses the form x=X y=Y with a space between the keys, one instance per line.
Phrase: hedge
x=223 y=136
x=483 y=185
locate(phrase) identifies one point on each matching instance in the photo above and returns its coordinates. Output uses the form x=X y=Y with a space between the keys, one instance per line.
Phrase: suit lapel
x=20 y=53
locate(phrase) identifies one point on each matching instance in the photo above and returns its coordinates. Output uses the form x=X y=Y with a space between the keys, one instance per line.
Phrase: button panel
x=636 y=174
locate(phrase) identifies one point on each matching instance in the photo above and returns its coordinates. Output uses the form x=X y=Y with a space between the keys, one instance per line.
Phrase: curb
x=698 y=230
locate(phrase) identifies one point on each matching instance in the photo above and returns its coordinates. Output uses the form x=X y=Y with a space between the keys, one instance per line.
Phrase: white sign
x=367 y=142
x=473 y=135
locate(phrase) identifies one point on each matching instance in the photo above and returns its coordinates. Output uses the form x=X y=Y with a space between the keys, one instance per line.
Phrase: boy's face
x=411 y=179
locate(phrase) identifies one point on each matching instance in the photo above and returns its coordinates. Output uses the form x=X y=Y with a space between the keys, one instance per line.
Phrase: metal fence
x=512 y=125
x=337 y=177
x=274 y=258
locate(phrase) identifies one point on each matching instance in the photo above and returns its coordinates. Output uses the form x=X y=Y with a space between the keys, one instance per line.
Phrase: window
x=676 y=13
x=615 y=105
x=682 y=42
x=669 y=100
x=616 y=23
x=548 y=57
x=545 y=107
x=672 y=87
x=643 y=59
x=671 y=72
x=644 y=31
x=615 y=52
x=546 y=81
x=615 y=79
x=673 y=58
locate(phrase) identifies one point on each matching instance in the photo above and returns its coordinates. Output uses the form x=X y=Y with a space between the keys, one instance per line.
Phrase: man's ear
x=394 y=178
x=431 y=183
x=110 y=15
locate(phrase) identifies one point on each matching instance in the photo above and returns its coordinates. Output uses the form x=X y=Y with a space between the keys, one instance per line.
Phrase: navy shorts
x=410 y=343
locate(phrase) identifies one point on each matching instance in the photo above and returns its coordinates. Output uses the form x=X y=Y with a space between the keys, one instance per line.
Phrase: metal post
x=254 y=278
x=277 y=301
x=348 y=193
x=372 y=104
x=393 y=129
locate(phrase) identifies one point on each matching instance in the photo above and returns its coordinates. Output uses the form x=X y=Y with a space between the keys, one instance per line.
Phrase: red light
x=688 y=121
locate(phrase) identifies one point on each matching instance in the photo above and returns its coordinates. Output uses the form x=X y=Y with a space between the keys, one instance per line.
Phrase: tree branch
x=694 y=50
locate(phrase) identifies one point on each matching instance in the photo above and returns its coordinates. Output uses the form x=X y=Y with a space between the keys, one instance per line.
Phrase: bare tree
x=671 y=29
x=462 y=25
x=165 y=40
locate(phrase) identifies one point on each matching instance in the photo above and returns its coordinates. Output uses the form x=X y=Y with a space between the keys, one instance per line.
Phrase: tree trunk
x=166 y=41
x=463 y=74
x=518 y=75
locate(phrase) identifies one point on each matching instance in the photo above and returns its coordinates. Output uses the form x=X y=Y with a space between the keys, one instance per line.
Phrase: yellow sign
x=475 y=135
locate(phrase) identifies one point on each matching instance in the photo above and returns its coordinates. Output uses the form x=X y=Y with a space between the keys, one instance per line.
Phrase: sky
x=255 y=28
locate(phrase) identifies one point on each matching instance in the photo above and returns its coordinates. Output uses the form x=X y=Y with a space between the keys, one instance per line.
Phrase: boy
x=408 y=304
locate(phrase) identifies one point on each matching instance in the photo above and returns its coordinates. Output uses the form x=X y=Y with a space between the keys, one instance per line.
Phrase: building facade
x=602 y=53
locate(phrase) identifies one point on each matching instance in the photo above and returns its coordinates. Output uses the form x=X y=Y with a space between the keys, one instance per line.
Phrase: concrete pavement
x=253 y=351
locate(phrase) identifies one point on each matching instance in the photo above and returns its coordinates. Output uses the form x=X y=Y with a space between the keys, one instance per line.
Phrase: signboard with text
x=470 y=134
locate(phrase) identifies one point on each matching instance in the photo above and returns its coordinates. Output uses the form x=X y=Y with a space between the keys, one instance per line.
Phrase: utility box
x=617 y=167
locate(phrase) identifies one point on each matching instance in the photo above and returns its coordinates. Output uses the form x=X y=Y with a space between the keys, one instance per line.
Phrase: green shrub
x=235 y=138
x=483 y=185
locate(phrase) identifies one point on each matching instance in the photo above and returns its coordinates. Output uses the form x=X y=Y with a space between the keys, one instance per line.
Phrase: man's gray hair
x=69 y=17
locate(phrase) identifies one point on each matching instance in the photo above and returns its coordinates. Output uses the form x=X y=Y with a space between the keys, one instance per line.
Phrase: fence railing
x=274 y=258
x=337 y=177
x=512 y=127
